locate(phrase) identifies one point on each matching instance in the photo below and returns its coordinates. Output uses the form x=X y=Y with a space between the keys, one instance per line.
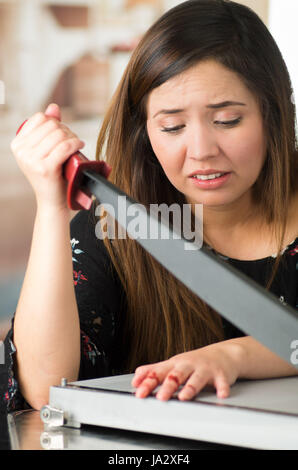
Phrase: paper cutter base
x=260 y=414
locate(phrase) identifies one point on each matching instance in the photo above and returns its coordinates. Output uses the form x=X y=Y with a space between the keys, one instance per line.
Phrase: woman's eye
x=232 y=123
x=176 y=129
x=172 y=130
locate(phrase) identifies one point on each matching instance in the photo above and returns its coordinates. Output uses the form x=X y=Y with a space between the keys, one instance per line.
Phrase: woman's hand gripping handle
x=48 y=154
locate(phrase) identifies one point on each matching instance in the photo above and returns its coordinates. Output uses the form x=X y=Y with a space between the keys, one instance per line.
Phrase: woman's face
x=206 y=121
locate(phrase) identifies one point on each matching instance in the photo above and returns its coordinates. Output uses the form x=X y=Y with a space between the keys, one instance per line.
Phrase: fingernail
x=140 y=393
x=184 y=396
x=50 y=105
x=161 y=396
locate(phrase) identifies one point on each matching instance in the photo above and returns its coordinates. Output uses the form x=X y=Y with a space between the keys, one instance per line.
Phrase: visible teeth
x=208 y=177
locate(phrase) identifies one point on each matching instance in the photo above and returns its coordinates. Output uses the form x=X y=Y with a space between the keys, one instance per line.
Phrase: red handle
x=73 y=171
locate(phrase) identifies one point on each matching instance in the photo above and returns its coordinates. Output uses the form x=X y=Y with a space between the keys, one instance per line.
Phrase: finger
x=173 y=380
x=63 y=150
x=55 y=144
x=53 y=111
x=36 y=120
x=148 y=384
x=52 y=165
x=194 y=385
x=42 y=131
x=155 y=375
x=140 y=374
x=222 y=386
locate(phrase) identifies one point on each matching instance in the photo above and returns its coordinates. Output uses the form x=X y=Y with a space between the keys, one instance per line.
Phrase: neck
x=228 y=219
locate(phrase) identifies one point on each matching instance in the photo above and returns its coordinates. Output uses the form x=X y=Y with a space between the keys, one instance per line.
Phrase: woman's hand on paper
x=216 y=364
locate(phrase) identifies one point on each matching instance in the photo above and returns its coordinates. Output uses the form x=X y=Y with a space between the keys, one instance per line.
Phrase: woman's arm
x=46 y=326
x=219 y=364
x=258 y=362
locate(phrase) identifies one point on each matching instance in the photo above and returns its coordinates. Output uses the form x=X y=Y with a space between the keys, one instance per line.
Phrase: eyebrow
x=224 y=104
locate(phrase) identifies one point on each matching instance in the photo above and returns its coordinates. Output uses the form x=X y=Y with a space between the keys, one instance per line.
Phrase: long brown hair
x=163 y=317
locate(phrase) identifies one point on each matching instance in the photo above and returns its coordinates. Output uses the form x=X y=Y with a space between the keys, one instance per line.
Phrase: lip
x=207 y=172
x=213 y=183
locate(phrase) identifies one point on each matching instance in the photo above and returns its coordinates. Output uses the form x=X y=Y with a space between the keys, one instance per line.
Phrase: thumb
x=53 y=111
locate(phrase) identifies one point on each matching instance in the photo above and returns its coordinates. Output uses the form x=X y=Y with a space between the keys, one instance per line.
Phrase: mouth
x=209 y=176
x=211 y=181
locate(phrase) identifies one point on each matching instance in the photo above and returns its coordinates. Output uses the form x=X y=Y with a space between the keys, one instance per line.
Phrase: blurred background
x=74 y=52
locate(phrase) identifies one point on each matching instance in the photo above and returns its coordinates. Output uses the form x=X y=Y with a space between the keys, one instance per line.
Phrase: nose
x=201 y=143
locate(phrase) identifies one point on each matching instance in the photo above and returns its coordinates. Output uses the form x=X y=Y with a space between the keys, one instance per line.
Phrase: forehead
x=207 y=82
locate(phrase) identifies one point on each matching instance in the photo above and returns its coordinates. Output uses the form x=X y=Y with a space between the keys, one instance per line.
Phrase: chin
x=210 y=200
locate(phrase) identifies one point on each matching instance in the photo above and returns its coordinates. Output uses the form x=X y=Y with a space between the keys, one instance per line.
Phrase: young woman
x=206 y=92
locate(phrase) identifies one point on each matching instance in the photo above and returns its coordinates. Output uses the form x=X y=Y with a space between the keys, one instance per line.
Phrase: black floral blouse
x=102 y=305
